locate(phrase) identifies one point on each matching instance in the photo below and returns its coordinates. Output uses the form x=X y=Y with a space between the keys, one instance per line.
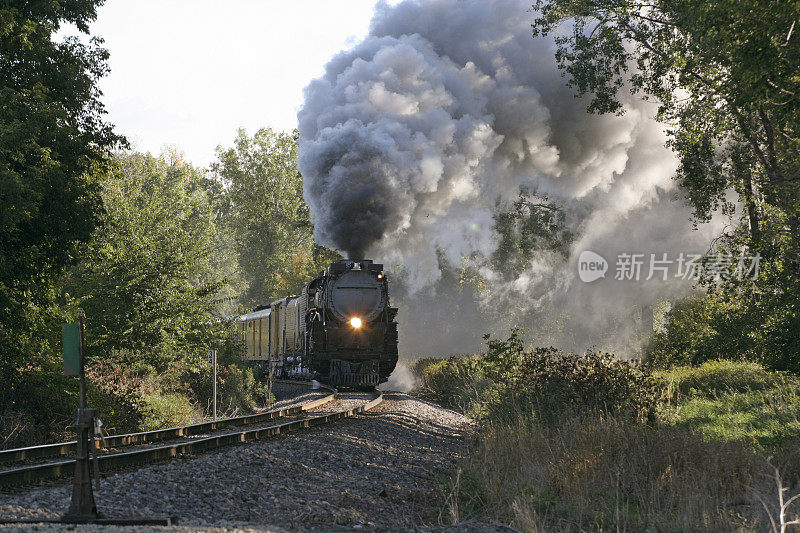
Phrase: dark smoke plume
x=409 y=139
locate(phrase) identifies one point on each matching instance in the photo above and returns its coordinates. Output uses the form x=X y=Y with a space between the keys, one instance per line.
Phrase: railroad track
x=151 y=446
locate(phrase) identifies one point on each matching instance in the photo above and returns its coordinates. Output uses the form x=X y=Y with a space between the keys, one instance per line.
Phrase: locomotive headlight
x=380 y=276
x=355 y=322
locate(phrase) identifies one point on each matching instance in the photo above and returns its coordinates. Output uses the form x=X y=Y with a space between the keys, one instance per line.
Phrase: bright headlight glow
x=355 y=322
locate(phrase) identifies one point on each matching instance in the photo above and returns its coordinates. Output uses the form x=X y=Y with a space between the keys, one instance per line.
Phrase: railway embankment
x=382 y=470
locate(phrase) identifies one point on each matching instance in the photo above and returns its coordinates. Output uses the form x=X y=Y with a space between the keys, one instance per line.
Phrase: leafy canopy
x=726 y=74
x=54 y=146
x=261 y=203
x=155 y=272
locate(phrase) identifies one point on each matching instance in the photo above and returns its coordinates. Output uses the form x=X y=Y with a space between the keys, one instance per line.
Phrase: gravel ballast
x=377 y=471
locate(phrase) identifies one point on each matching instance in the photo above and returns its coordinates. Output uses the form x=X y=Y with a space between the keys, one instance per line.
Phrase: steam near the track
x=409 y=139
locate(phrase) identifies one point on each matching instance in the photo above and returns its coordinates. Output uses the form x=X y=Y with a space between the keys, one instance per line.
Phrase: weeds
x=589 y=442
x=597 y=474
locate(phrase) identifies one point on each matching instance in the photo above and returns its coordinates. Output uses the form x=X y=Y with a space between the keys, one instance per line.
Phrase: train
x=340 y=330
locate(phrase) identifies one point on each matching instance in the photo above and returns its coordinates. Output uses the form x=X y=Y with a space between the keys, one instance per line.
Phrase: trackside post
x=212 y=360
x=82 y=508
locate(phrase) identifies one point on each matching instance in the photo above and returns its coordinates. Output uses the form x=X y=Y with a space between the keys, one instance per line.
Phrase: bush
x=237 y=387
x=456 y=383
x=546 y=383
x=44 y=401
x=590 y=442
x=117 y=394
x=168 y=410
x=738 y=326
x=555 y=384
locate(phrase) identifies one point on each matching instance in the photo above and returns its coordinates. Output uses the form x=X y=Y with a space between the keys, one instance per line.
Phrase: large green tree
x=53 y=146
x=726 y=75
x=261 y=201
x=158 y=269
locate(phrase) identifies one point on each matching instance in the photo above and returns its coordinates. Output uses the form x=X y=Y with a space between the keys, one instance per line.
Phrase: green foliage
x=725 y=76
x=456 y=383
x=713 y=378
x=261 y=201
x=503 y=357
x=166 y=410
x=748 y=324
x=508 y=382
x=151 y=279
x=53 y=149
x=736 y=401
x=46 y=400
x=584 y=458
x=116 y=393
x=530 y=225
x=558 y=384
x=237 y=388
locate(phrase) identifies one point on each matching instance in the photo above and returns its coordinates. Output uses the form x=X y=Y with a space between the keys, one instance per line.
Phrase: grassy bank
x=128 y=400
x=571 y=442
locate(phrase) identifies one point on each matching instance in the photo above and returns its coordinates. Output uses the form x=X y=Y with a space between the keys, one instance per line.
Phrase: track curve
x=142 y=451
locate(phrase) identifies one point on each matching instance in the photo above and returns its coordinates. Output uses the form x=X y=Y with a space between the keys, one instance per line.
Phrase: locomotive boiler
x=340 y=330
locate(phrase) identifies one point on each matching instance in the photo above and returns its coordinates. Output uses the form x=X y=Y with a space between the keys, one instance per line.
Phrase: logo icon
x=591 y=266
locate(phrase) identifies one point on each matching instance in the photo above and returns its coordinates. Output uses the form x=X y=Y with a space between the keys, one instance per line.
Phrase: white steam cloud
x=410 y=137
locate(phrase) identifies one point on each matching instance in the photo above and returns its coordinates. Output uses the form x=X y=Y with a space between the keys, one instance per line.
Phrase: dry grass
x=596 y=474
x=563 y=445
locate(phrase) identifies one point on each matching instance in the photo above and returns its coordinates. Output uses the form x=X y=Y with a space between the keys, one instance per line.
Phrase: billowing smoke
x=402 y=379
x=409 y=139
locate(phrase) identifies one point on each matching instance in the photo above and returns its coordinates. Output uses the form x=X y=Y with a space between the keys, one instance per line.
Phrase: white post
x=212 y=360
x=215 y=384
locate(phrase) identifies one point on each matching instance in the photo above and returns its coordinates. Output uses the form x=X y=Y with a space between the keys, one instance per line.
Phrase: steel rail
x=61 y=449
x=29 y=474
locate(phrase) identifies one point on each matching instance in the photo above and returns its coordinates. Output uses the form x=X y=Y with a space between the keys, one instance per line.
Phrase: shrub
x=555 y=384
x=117 y=394
x=44 y=402
x=546 y=383
x=739 y=326
x=456 y=383
x=167 y=410
x=237 y=387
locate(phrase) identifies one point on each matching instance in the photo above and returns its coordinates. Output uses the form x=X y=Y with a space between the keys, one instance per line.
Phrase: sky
x=188 y=74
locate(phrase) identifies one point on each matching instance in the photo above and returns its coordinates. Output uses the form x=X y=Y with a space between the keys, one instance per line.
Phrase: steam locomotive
x=340 y=330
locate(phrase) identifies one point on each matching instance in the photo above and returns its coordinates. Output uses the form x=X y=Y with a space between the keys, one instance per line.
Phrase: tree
x=726 y=76
x=261 y=201
x=157 y=270
x=528 y=226
x=53 y=147
x=725 y=73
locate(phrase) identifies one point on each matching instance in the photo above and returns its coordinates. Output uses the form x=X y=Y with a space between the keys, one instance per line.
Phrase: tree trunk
x=752 y=211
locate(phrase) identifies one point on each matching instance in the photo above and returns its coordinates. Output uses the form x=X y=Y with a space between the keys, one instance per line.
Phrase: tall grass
x=590 y=443
x=598 y=473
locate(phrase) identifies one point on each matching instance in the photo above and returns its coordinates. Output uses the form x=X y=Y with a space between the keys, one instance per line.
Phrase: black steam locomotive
x=340 y=330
